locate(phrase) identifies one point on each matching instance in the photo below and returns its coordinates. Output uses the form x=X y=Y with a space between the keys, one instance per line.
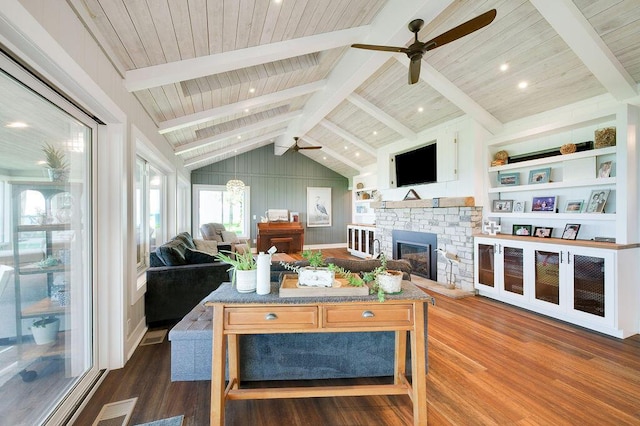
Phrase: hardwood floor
x=489 y=364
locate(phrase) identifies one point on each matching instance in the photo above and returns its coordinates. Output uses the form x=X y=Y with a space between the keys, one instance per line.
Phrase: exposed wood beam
x=237 y=132
x=357 y=65
x=453 y=94
x=381 y=116
x=187 y=69
x=565 y=17
x=239 y=147
x=238 y=107
x=340 y=157
x=348 y=137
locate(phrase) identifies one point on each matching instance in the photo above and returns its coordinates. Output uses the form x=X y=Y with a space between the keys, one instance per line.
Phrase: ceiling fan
x=297 y=147
x=417 y=49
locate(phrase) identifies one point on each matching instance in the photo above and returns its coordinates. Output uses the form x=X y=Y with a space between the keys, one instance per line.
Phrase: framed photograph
x=540 y=175
x=605 y=169
x=509 y=179
x=542 y=232
x=518 y=206
x=294 y=216
x=570 y=231
x=544 y=204
x=502 y=206
x=522 y=230
x=574 y=206
x=597 y=200
x=318 y=207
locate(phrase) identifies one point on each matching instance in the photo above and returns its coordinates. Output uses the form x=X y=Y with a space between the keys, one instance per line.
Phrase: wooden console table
x=235 y=313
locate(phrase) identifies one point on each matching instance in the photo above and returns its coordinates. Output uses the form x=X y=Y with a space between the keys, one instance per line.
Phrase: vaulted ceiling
x=221 y=77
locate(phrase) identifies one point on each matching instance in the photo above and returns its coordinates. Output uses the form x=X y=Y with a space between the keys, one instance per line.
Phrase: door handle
x=368 y=314
x=270 y=317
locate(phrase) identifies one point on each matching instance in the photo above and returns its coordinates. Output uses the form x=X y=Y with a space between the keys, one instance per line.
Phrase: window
x=149 y=210
x=212 y=203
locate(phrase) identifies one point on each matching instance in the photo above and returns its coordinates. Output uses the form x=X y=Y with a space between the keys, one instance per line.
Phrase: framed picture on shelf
x=509 y=179
x=522 y=230
x=570 y=231
x=542 y=232
x=294 y=217
x=597 y=200
x=518 y=206
x=544 y=204
x=502 y=206
x=540 y=175
x=605 y=169
x=574 y=206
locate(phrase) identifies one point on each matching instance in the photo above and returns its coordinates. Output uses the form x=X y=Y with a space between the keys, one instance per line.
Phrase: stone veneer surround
x=454 y=226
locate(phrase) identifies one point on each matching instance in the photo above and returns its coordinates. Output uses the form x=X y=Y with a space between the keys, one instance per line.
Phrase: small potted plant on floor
x=243 y=267
x=384 y=281
x=45 y=330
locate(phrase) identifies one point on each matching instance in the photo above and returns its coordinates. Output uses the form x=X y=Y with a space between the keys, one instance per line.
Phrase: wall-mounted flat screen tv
x=415 y=167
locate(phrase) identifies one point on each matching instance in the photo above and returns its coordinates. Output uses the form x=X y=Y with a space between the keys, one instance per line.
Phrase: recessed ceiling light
x=504 y=67
x=252 y=90
x=17 y=125
x=375 y=132
x=523 y=85
x=239 y=137
x=346 y=147
x=246 y=110
x=324 y=158
x=41 y=163
x=277 y=1
x=357 y=154
x=420 y=109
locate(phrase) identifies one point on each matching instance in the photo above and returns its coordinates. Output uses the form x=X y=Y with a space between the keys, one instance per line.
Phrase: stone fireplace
x=453 y=228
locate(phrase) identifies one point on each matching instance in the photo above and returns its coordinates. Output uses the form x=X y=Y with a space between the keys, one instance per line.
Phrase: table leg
x=234 y=360
x=400 y=364
x=418 y=365
x=217 y=367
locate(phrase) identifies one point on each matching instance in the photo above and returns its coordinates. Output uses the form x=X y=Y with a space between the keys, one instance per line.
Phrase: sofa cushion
x=172 y=253
x=186 y=238
x=230 y=237
x=193 y=257
x=207 y=246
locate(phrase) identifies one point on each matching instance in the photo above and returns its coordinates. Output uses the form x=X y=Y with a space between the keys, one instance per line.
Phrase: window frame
x=246 y=233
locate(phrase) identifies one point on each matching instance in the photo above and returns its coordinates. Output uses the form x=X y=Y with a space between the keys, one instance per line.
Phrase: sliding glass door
x=47 y=345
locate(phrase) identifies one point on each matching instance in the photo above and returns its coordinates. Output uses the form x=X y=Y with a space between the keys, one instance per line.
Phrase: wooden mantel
x=426 y=203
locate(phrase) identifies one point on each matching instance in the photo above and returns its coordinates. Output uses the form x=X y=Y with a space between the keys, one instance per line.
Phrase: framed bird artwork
x=318 y=207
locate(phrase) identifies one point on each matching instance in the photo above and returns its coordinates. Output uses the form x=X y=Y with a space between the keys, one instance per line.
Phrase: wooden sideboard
x=288 y=237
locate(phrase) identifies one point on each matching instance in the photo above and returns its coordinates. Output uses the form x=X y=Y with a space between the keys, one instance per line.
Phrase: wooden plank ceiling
x=221 y=77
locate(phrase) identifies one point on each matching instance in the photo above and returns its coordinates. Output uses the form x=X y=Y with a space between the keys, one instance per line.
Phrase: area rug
x=171 y=421
x=153 y=337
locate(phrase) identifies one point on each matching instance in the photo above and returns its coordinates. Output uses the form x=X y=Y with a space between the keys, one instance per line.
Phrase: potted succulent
x=319 y=274
x=45 y=330
x=57 y=165
x=384 y=281
x=244 y=269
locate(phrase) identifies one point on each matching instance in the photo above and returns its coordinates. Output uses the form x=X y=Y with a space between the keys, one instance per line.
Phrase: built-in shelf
x=556 y=159
x=555 y=185
x=557 y=216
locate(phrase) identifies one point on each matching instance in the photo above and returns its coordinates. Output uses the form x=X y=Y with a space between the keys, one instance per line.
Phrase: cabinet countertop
x=560 y=241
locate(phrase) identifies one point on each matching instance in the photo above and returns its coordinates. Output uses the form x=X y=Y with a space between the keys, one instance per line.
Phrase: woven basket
x=605 y=137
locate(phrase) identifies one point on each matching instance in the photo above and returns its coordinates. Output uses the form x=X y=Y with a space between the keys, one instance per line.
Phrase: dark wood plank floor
x=489 y=364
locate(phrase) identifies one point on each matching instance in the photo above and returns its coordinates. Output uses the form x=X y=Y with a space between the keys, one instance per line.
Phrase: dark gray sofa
x=178 y=278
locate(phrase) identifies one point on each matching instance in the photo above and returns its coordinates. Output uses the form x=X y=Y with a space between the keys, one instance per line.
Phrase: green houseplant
x=383 y=281
x=45 y=330
x=243 y=267
x=56 y=163
x=317 y=263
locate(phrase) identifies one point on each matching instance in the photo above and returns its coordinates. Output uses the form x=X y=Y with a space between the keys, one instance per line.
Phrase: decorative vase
x=263 y=283
x=390 y=282
x=316 y=277
x=47 y=333
x=246 y=281
x=58 y=175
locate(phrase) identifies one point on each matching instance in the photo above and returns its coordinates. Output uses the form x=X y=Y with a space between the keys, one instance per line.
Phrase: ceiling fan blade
x=414 y=69
x=462 y=30
x=309 y=147
x=383 y=48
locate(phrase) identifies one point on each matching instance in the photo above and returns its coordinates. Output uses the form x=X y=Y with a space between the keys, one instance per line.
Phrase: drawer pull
x=368 y=314
x=270 y=317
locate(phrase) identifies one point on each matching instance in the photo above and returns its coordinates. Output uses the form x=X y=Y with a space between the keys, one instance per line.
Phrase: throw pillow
x=195 y=256
x=186 y=238
x=207 y=246
x=230 y=237
x=172 y=253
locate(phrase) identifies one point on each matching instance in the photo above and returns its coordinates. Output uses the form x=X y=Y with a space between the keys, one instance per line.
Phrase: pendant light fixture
x=235 y=186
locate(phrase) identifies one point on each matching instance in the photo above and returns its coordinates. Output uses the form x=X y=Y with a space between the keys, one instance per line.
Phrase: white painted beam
x=451 y=92
x=240 y=147
x=237 y=132
x=565 y=17
x=338 y=156
x=348 y=137
x=238 y=107
x=381 y=116
x=187 y=69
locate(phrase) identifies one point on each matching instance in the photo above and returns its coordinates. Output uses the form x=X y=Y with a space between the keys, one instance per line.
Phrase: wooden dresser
x=288 y=237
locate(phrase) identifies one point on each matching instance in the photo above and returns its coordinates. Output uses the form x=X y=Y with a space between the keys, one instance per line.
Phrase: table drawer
x=268 y=318
x=375 y=315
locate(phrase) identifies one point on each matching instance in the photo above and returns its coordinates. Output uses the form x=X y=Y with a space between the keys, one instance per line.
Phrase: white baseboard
x=324 y=246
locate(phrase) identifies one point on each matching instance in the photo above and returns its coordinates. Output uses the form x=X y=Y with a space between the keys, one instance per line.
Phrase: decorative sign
x=411 y=195
x=490 y=227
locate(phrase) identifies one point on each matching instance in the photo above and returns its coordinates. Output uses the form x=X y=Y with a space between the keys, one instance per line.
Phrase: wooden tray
x=289 y=288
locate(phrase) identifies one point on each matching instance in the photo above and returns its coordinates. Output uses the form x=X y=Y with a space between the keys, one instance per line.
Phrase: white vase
x=263 y=283
x=246 y=281
x=391 y=282
x=46 y=334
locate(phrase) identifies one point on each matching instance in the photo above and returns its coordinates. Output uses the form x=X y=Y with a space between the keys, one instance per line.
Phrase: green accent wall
x=280 y=182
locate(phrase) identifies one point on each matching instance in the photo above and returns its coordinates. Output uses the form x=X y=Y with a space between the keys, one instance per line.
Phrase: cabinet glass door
x=513 y=270
x=547 y=270
x=588 y=284
x=486 y=265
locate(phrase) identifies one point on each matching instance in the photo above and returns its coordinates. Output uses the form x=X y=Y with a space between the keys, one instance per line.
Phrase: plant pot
x=316 y=277
x=246 y=281
x=46 y=334
x=390 y=282
x=58 y=175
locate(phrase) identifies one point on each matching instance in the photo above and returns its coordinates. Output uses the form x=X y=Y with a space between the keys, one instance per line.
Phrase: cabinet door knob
x=368 y=314
x=568 y=258
x=270 y=316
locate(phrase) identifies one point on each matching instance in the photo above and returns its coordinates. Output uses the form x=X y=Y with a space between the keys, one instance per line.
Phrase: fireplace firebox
x=419 y=249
